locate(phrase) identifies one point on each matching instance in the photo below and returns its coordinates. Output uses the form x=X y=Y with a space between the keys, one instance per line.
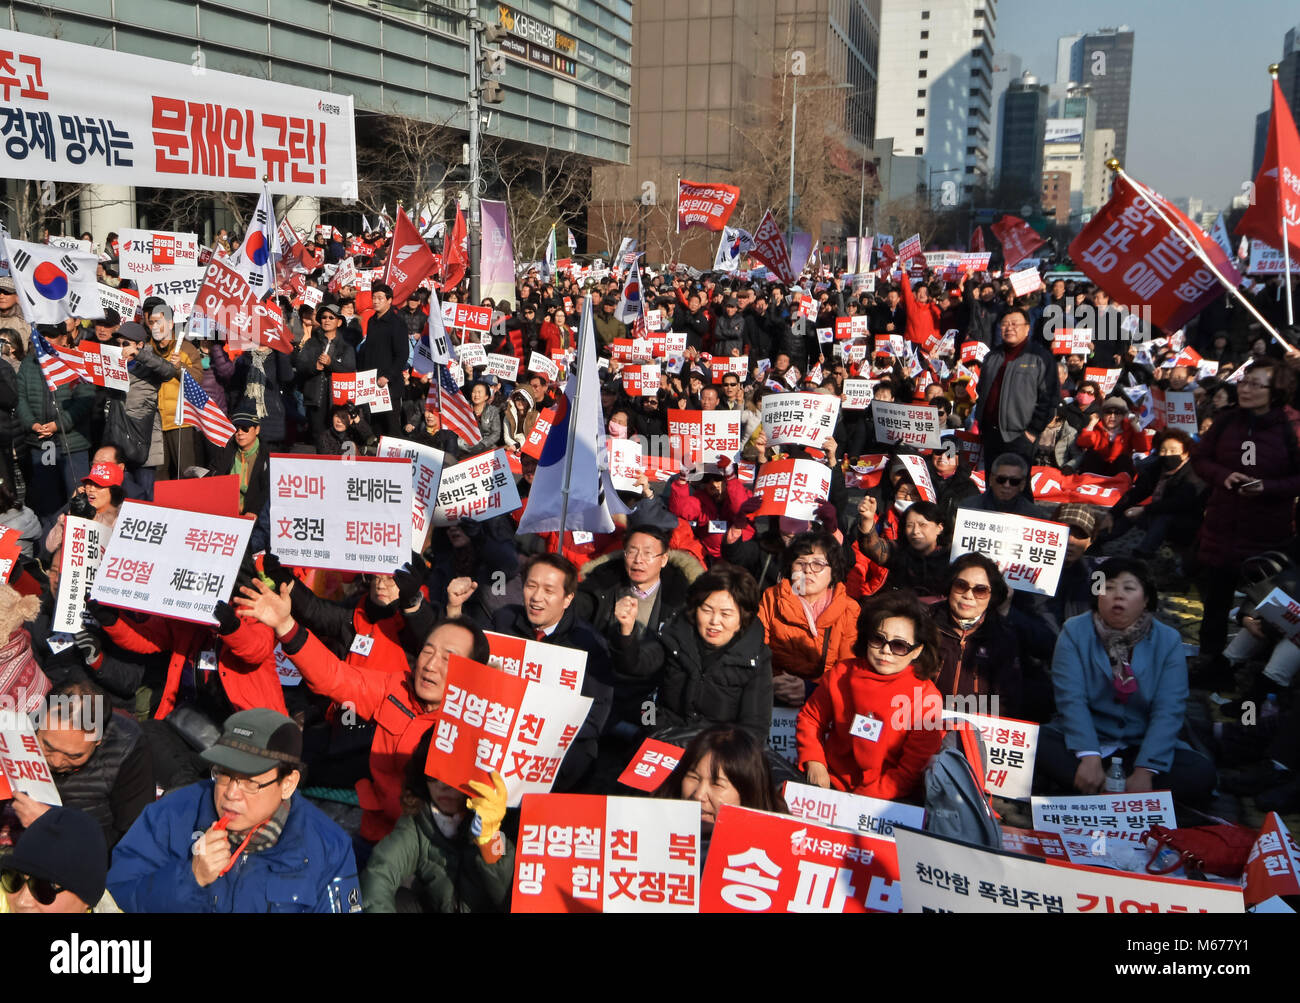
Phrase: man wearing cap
x=318 y=358
x=58 y=866
x=1074 y=590
x=244 y=840
x=180 y=447
x=146 y=371
x=11 y=315
x=243 y=455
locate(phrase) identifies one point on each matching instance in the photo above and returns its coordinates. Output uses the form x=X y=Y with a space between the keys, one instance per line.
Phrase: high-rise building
x=1024 y=119
x=936 y=87
x=1056 y=195
x=1288 y=81
x=1102 y=59
x=1065 y=152
x=1007 y=68
x=708 y=73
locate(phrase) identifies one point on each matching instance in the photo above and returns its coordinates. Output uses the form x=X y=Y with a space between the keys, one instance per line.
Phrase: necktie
x=541 y=635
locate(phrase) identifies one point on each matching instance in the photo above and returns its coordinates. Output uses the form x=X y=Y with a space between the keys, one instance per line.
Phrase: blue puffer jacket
x=309 y=869
x=1091 y=717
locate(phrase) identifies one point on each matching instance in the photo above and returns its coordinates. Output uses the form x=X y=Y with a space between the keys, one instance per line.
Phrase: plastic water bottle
x=1115 y=780
x=1270 y=708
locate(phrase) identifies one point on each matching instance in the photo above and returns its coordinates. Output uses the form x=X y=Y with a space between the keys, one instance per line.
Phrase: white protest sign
x=177 y=286
x=1025 y=282
x=102 y=364
x=171 y=562
x=538 y=661
x=920 y=475
x=704 y=435
x=126 y=302
x=539 y=363
x=1265 y=260
x=1030 y=553
x=1283 y=612
x=581 y=853
x=426 y=471
x=142 y=254
x=22 y=763
x=640 y=381
x=858 y=394
x=780 y=736
x=83 y=548
x=626 y=463
x=360 y=388
x=800 y=419
x=793 y=488
x=471 y=354
x=1105 y=830
x=70 y=243
x=941 y=875
x=348 y=513
x=503 y=367
x=850 y=811
x=907 y=424
x=1012 y=747
x=478 y=488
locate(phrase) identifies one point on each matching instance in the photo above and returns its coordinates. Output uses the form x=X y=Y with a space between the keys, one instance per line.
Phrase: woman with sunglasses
x=872 y=724
x=1109 y=442
x=979 y=653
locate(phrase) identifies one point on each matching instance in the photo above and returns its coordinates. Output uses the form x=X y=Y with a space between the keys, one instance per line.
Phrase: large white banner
x=91 y=115
x=349 y=513
x=178 y=287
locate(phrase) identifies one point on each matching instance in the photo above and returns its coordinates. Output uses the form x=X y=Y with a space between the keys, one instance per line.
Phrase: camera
x=80 y=506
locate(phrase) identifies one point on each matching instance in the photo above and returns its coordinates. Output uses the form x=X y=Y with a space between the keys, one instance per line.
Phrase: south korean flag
x=257 y=256
x=53 y=283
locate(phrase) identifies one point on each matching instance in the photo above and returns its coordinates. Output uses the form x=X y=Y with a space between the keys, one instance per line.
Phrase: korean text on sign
x=1029 y=552
x=478 y=488
x=801 y=419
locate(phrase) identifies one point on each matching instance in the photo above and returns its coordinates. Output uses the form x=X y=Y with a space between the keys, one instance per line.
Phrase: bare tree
x=905 y=216
x=39 y=206
x=542 y=188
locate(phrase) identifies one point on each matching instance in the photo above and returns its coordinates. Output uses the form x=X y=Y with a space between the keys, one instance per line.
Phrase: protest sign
x=102 y=365
x=144 y=254
x=426 y=472
x=626 y=463
x=1030 y=553
x=653 y=763
x=478 y=488
x=1281 y=611
x=225 y=307
x=83 y=548
x=780 y=736
x=721 y=365
x=177 y=287
x=793 y=488
x=910 y=248
x=555 y=665
x=1104 y=378
x=800 y=419
x=910 y=424
x=942 y=875
x=503 y=367
x=22 y=763
x=843 y=810
x=858 y=394
x=703 y=436
x=471 y=354
x=362 y=389
x=349 y=513
x=467 y=316
x=171 y=562
x=1273 y=867
x=1072 y=341
x=1011 y=746
x=1025 y=282
x=973 y=351
x=586 y=853
x=762 y=862
x=490 y=720
x=640 y=381
x=539 y=363
x=971 y=448
x=1175 y=409
x=1104 y=829
x=1265 y=260
x=536 y=440
x=126 y=302
x=856 y=326
x=920 y=475
x=1032 y=843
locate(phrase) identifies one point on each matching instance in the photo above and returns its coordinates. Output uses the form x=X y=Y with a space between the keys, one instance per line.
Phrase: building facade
x=1024 y=121
x=1102 y=59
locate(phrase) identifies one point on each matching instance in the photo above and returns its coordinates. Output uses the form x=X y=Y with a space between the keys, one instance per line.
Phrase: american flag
x=194 y=407
x=57 y=368
x=449 y=403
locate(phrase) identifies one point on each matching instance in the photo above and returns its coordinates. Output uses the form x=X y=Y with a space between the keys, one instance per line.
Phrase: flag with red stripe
x=446 y=400
x=55 y=365
x=194 y=407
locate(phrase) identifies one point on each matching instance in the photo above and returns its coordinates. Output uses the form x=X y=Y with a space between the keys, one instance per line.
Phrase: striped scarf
x=265 y=837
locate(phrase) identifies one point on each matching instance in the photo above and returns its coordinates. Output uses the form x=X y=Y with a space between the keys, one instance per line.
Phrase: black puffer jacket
x=699 y=685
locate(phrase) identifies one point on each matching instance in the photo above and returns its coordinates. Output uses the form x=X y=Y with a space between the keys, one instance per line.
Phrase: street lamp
x=794 y=118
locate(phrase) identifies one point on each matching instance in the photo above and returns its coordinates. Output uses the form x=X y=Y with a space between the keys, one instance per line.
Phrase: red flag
x=409 y=261
x=1134 y=255
x=455 y=254
x=769 y=248
x=977 y=240
x=227 y=308
x=704 y=204
x=1277 y=186
x=1019 y=240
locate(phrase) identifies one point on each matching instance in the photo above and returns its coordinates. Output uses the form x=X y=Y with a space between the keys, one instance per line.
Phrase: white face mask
x=901 y=505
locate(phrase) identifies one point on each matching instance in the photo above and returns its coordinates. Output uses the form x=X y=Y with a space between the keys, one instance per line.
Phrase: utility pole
x=486 y=66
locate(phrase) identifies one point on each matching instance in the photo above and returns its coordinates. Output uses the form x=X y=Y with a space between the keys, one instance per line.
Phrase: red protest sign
x=536 y=440
x=467 y=316
x=1129 y=251
x=974 y=351
x=1273 y=867
x=584 y=853
x=760 y=862
x=705 y=204
x=537 y=661
x=1072 y=341
x=1104 y=378
x=226 y=308
x=770 y=249
x=653 y=763
x=792 y=488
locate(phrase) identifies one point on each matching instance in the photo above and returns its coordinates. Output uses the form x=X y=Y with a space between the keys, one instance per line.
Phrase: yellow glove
x=489 y=807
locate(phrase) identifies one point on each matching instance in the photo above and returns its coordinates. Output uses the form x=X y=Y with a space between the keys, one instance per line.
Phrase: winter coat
x=1107 y=454
x=339 y=624
x=892 y=766
x=1029 y=394
x=116 y=783
x=148 y=372
x=795 y=648
x=183 y=356
x=983 y=662
x=1238 y=526
x=37 y=406
x=700 y=508
x=922 y=318
x=700 y=685
x=310 y=868
x=235 y=377
x=24 y=520
x=11 y=430
x=728 y=333
x=1091 y=717
x=450 y=874
x=1182 y=499
x=387 y=347
x=258 y=492
x=608 y=328
x=317 y=387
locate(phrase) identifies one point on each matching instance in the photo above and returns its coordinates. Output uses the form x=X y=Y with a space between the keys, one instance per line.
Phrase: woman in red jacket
x=873 y=723
x=1109 y=443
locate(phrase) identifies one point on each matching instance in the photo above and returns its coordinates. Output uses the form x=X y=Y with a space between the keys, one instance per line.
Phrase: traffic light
x=493 y=92
x=494 y=63
x=493 y=33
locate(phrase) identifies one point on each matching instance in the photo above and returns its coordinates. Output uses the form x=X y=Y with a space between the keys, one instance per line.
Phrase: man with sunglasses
x=58 y=865
x=1006 y=489
x=244 y=840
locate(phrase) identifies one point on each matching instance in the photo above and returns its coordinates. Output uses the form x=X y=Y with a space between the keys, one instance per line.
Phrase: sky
x=1200 y=75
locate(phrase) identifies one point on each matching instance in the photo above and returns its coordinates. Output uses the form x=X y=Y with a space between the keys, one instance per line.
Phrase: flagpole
x=1286 y=264
x=1197 y=250
x=572 y=417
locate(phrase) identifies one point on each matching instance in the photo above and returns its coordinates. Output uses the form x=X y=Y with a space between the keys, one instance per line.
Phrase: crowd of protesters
x=695 y=607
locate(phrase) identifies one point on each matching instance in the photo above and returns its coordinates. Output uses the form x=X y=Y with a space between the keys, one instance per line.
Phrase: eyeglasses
x=731 y=383
x=897 y=646
x=246 y=785
x=961 y=587
x=1012 y=325
x=1014 y=482
x=810 y=567
x=648 y=555
x=43 y=891
x=1256 y=385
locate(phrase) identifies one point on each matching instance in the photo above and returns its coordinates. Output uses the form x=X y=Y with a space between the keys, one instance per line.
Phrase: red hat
x=106 y=475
